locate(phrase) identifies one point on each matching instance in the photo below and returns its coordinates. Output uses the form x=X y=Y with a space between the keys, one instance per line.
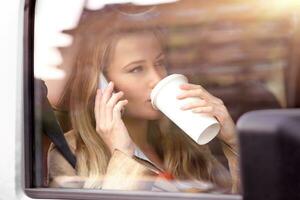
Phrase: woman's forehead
x=137 y=41
x=136 y=46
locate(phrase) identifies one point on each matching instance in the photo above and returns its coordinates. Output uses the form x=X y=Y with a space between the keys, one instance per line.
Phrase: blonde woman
x=110 y=126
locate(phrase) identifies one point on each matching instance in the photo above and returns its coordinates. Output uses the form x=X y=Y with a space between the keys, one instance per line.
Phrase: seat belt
x=50 y=125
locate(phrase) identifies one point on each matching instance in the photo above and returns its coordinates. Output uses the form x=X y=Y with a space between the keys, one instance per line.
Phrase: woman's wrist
x=232 y=145
x=232 y=142
x=231 y=139
x=228 y=133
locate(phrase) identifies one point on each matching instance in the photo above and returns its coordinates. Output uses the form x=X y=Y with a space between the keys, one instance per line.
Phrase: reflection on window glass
x=130 y=120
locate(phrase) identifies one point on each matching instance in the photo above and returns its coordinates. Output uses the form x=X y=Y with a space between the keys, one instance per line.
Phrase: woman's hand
x=211 y=105
x=109 y=124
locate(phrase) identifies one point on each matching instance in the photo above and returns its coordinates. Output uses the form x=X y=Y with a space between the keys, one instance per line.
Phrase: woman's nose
x=156 y=76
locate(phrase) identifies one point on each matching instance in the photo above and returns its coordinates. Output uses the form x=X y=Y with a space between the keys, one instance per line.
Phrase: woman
x=109 y=126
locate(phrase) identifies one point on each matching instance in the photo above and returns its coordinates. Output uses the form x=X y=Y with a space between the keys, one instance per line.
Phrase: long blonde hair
x=181 y=156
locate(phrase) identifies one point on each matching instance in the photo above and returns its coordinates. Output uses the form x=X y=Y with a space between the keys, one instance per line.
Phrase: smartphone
x=103 y=83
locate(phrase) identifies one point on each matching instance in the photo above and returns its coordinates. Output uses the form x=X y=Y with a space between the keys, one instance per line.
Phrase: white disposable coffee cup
x=201 y=127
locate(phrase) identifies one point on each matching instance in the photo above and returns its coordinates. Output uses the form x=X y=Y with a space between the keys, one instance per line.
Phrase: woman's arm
x=232 y=155
x=214 y=106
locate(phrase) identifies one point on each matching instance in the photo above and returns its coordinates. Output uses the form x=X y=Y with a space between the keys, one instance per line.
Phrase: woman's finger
x=193 y=93
x=97 y=105
x=192 y=90
x=189 y=86
x=107 y=93
x=117 y=109
x=213 y=110
x=205 y=109
x=111 y=104
x=196 y=104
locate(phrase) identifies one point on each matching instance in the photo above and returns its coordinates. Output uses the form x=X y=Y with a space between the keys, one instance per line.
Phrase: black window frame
x=29 y=143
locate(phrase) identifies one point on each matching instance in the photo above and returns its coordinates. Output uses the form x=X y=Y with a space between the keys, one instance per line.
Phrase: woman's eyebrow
x=134 y=62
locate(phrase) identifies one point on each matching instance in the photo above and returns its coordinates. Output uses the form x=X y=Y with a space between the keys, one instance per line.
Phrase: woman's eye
x=161 y=63
x=136 y=69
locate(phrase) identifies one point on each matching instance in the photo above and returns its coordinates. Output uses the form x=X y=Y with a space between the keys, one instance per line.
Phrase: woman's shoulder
x=70 y=137
x=58 y=166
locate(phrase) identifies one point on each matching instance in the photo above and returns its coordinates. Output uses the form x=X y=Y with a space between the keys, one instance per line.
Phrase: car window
x=144 y=96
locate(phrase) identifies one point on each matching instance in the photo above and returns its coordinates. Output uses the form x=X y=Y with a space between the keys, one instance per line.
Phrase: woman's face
x=137 y=65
